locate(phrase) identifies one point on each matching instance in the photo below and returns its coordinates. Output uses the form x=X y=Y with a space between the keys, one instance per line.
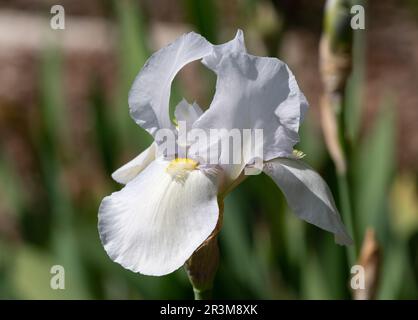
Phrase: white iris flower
x=169 y=205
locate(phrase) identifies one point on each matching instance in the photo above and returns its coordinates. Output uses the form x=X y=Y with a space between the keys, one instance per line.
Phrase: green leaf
x=238 y=251
x=373 y=170
x=132 y=55
x=203 y=14
x=355 y=88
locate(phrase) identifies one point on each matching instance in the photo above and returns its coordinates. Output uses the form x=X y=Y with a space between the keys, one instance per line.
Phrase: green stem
x=202 y=294
x=343 y=183
x=346 y=212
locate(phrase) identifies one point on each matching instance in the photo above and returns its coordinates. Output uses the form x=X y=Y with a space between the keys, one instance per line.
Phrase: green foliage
x=373 y=171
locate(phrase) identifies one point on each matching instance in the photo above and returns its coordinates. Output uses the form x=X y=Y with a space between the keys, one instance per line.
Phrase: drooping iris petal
x=150 y=93
x=256 y=93
x=187 y=112
x=155 y=223
x=131 y=169
x=308 y=195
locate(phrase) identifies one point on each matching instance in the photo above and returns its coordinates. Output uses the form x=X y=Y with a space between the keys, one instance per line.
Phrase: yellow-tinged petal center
x=298 y=154
x=179 y=168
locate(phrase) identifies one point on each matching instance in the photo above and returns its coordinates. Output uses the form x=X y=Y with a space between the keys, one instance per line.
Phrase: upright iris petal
x=257 y=93
x=187 y=112
x=150 y=94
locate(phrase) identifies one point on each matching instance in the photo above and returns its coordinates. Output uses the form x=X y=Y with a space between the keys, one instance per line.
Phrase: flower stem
x=346 y=212
x=343 y=182
x=202 y=294
x=335 y=66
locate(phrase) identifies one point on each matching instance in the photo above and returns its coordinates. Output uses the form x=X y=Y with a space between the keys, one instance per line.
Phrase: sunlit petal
x=257 y=93
x=131 y=169
x=308 y=195
x=155 y=223
x=187 y=112
x=235 y=45
x=150 y=93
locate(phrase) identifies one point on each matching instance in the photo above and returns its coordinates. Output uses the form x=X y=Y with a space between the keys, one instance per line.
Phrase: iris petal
x=235 y=45
x=150 y=93
x=187 y=112
x=256 y=93
x=131 y=169
x=308 y=195
x=155 y=223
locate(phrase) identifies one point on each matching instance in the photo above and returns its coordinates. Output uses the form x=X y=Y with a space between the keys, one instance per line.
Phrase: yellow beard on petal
x=180 y=168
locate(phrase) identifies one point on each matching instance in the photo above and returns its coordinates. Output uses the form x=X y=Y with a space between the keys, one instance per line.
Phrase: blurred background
x=65 y=127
